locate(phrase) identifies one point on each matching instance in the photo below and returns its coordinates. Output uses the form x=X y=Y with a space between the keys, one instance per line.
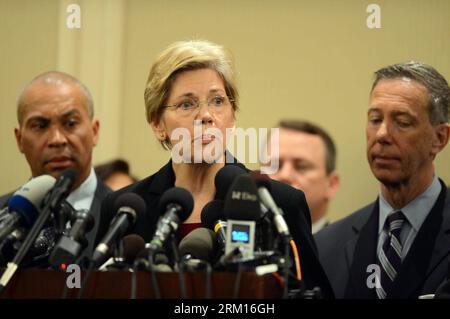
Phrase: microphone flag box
x=240 y=234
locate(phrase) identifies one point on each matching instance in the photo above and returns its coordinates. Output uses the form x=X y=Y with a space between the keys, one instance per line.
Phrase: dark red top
x=185 y=229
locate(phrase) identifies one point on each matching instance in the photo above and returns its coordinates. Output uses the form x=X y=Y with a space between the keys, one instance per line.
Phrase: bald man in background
x=57 y=130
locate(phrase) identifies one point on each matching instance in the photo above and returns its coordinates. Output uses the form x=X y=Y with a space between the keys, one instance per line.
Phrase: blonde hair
x=186 y=56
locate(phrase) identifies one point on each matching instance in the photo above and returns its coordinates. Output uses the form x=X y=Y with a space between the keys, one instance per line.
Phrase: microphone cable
x=208 y=275
x=181 y=277
x=86 y=278
x=208 y=287
x=148 y=265
x=278 y=278
x=134 y=279
x=65 y=291
x=286 y=268
x=237 y=281
x=155 y=286
x=286 y=272
x=137 y=263
x=296 y=259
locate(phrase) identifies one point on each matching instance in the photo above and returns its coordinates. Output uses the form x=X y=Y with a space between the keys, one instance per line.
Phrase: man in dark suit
x=398 y=246
x=56 y=131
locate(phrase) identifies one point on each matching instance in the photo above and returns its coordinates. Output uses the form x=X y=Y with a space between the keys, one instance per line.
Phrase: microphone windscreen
x=199 y=243
x=242 y=201
x=132 y=245
x=212 y=212
x=44 y=242
x=224 y=178
x=133 y=201
x=180 y=196
x=27 y=199
x=160 y=260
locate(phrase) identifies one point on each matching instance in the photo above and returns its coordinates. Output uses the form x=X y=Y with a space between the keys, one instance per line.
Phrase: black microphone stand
x=176 y=257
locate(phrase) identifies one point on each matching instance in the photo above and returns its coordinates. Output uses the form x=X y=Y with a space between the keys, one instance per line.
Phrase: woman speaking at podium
x=191 y=100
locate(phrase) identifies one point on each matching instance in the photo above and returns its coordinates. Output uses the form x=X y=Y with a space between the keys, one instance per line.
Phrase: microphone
x=264 y=186
x=130 y=207
x=43 y=245
x=242 y=200
x=230 y=257
x=131 y=245
x=25 y=203
x=38 y=253
x=61 y=189
x=10 y=245
x=198 y=250
x=224 y=178
x=69 y=247
x=242 y=209
x=65 y=212
x=198 y=244
x=280 y=224
x=213 y=218
x=4 y=214
x=177 y=203
x=160 y=261
x=52 y=199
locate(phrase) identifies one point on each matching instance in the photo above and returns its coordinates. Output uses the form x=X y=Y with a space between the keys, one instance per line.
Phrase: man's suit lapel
x=360 y=254
x=100 y=193
x=430 y=247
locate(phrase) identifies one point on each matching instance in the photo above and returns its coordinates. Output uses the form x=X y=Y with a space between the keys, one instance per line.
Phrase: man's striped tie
x=389 y=256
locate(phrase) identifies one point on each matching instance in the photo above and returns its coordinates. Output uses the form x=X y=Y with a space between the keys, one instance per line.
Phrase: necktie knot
x=394 y=222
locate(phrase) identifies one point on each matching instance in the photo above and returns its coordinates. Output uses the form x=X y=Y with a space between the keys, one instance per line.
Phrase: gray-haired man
x=398 y=246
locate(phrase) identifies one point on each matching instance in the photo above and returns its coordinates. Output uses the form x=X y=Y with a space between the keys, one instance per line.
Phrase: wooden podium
x=48 y=284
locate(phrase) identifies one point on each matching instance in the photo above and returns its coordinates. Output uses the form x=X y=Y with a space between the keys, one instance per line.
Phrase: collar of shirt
x=82 y=197
x=416 y=211
x=318 y=225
